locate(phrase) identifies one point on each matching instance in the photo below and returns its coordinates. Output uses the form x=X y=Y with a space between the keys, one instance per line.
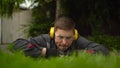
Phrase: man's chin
x=62 y=48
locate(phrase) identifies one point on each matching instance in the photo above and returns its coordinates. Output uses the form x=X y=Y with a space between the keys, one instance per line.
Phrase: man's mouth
x=63 y=47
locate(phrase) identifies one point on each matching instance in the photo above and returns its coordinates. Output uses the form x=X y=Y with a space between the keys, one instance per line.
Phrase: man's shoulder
x=43 y=36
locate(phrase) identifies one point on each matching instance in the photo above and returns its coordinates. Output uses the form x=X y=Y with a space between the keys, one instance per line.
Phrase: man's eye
x=68 y=37
x=61 y=37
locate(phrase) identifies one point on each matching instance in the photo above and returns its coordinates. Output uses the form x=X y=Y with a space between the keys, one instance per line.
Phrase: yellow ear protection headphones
x=52 y=33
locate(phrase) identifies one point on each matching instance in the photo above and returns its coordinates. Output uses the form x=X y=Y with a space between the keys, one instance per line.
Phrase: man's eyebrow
x=63 y=35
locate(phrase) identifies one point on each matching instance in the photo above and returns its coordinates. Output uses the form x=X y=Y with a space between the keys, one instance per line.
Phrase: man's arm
x=29 y=47
x=97 y=48
x=42 y=46
x=91 y=46
x=39 y=45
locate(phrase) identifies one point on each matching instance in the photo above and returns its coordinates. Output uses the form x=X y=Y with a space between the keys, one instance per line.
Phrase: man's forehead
x=66 y=35
x=64 y=32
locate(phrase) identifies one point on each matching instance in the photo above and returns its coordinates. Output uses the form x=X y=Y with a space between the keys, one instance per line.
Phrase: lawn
x=83 y=60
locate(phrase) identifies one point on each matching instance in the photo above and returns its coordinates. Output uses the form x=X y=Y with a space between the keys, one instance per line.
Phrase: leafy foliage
x=43 y=17
x=8 y=6
x=92 y=16
x=112 y=42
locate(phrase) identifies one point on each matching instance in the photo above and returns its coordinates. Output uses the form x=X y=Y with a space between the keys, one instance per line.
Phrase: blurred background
x=97 y=20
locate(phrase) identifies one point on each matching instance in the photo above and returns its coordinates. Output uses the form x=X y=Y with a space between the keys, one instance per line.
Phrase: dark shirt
x=37 y=43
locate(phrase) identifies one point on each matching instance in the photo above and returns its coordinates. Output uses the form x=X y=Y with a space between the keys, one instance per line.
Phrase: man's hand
x=49 y=52
x=43 y=53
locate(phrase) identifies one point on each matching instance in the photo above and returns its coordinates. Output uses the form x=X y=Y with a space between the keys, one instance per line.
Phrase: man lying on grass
x=63 y=39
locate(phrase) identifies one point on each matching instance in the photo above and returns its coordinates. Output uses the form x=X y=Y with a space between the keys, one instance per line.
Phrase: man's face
x=63 y=39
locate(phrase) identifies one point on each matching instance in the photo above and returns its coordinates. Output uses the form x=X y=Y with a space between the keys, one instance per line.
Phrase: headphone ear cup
x=51 y=32
x=76 y=34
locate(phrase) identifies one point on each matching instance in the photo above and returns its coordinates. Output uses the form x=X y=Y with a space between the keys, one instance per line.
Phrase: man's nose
x=64 y=41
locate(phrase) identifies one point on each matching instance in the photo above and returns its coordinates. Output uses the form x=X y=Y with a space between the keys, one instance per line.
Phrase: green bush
x=83 y=60
x=36 y=29
x=42 y=18
x=112 y=42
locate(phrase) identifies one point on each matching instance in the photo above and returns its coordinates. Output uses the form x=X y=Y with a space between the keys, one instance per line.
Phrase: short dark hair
x=65 y=23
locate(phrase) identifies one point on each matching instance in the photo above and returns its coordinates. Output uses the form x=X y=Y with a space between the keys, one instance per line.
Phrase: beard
x=62 y=47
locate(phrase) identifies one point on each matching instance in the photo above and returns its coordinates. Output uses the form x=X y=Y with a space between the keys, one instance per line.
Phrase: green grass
x=83 y=60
